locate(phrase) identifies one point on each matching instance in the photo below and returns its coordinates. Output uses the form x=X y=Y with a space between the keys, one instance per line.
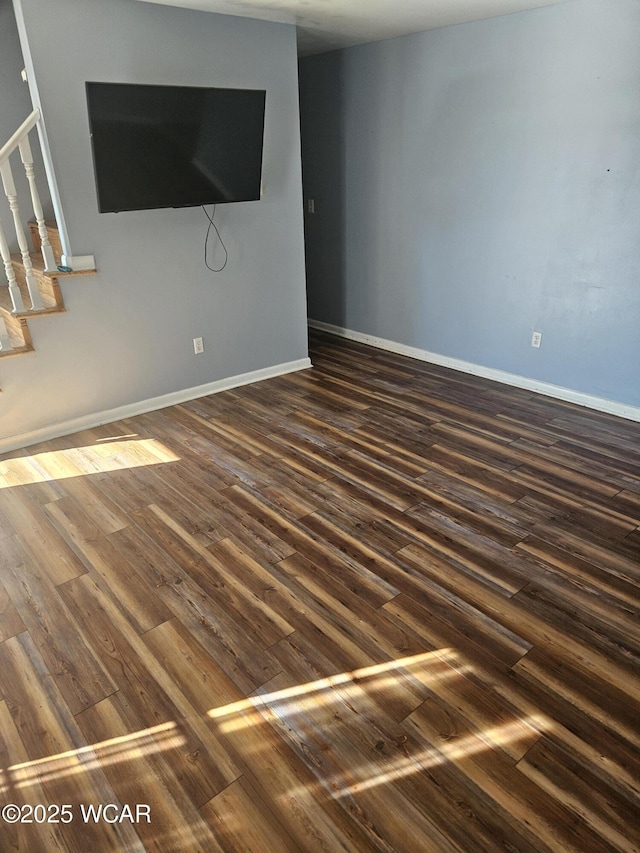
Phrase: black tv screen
x=174 y=146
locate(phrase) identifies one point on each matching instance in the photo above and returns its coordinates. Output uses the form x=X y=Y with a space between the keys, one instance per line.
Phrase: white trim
x=79 y=262
x=558 y=392
x=14 y=140
x=95 y=419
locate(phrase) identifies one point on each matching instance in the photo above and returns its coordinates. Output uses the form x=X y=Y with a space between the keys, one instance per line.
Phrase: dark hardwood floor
x=374 y=606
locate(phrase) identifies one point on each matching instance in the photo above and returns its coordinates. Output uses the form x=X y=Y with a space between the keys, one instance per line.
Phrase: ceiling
x=331 y=24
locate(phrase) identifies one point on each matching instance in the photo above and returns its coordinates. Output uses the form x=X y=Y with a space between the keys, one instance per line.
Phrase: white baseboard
x=601 y=404
x=110 y=415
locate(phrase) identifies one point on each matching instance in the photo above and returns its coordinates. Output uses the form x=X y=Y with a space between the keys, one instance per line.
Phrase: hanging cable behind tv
x=206 y=240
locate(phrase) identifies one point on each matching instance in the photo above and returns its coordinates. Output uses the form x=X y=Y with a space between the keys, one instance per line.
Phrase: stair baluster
x=12 y=198
x=14 y=290
x=45 y=246
x=41 y=280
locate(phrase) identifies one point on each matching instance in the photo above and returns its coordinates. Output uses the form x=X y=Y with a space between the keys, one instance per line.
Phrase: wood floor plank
x=597 y=626
x=464 y=468
x=548 y=825
x=142 y=680
x=140 y=768
x=102 y=511
x=25 y=470
x=80 y=677
x=375 y=606
x=212 y=576
x=186 y=599
x=444 y=620
x=11 y=623
x=118 y=651
x=342 y=744
x=303 y=539
x=39 y=838
x=534 y=629
x=612 y=708
x=565 y=562
x=135 y=596
x=6 y=529
x=264 y=761
x=243 y=823
x=56 y=751
x=582 y=793
x=46 y=546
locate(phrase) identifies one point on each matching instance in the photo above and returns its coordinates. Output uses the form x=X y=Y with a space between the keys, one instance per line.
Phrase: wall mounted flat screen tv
x=174 y=146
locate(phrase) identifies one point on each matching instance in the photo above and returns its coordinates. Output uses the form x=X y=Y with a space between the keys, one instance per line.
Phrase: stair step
x=54 y=238
x=18 y=331
x=17 y=327
x=18 y=348
x=38 y=265
x=16 y=323
x=47 y=284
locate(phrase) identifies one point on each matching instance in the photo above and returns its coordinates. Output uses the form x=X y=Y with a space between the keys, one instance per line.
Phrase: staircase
x=17 y=322
x=32 y=278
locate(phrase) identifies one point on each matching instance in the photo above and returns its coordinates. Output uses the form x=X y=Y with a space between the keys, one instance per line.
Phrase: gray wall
x=477 y=182
x=15 y=102
x=127 y=334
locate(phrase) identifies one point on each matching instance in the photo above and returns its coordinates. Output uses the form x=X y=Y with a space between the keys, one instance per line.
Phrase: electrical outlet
x=311 y=205
x=536 y=339
x=198 y=346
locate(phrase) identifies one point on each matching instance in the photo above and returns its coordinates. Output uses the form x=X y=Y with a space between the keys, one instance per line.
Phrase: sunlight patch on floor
x=113 y=751
x=116 y=455
x=302 y=697
x=280 y=708
x=455 y=751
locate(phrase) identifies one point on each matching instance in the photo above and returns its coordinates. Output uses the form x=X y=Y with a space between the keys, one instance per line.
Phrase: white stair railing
x=20 y=141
